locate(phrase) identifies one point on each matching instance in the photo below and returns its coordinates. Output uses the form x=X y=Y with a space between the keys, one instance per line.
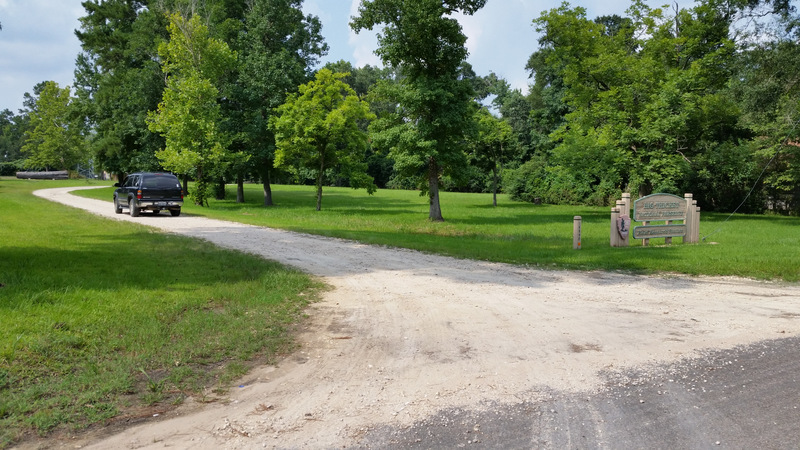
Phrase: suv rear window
x=162 y=182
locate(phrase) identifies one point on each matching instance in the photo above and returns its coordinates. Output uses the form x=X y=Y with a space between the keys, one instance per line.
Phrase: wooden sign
x=658 y=208
x=659 y=231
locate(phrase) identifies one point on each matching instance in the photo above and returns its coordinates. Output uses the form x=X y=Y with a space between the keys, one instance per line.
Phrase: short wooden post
x=689 y=221
x=576 y=232
x=624 y=210
x=645 y=241
x=668 y=240
x=614 y=235
x=626 y=197
x=696 y=223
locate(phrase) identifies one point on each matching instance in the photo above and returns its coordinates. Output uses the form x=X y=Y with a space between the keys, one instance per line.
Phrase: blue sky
x=38 y=43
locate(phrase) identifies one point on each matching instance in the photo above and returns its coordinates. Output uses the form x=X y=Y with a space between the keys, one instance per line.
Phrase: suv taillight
x=139 y=194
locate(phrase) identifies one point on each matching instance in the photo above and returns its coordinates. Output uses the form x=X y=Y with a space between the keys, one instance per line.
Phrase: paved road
x=744 y=398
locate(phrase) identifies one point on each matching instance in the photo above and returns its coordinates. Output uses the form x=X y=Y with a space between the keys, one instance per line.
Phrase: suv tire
x=133 y=207
x=175 y=212
x=117 y=208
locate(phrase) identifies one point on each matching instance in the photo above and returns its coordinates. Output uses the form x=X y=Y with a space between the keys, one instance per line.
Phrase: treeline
x=702 y=100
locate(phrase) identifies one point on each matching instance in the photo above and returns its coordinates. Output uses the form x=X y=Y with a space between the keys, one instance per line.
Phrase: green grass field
x=102 y=319
x=759 y=247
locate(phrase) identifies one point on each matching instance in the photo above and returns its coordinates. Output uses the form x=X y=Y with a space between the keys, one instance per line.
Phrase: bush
x=8 y=169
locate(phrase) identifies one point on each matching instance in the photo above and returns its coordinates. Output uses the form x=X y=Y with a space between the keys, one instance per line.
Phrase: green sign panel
x=659 y=208
x=659 y=231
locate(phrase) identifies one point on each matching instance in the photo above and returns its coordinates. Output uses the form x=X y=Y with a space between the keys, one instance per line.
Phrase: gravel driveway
x=415 y=350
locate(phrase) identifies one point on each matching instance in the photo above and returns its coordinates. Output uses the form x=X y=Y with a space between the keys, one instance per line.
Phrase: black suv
x=150 y=192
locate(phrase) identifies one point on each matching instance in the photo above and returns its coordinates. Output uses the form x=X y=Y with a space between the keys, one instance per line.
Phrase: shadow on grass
x=138 y=261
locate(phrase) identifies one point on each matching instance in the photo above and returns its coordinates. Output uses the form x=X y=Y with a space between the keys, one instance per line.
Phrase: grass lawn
x=102 y=319
x=753 y=246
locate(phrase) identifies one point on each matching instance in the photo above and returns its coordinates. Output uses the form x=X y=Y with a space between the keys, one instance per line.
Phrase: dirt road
x=405 y=338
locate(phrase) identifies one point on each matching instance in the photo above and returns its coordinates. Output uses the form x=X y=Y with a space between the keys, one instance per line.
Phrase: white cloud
x=364 y=43
x=37 y=43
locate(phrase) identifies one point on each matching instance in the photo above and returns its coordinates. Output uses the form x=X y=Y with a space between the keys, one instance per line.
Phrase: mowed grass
x=753 y=246
x=102 y=320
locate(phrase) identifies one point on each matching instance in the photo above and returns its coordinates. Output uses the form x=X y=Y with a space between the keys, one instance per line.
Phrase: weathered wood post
x=576 y=233
x=614 y=234
x=689 y=221
x=696 y=227
x=626 y=197
x=668 y=240
x=624 y=214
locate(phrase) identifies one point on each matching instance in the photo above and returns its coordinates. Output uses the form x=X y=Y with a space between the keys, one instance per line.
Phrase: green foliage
x=492 y=146
x=425 y=44
x=118 y=80
x=661 y=99
x=188 y=116
x=636 y=103
x=317 y=129
x=12 y=138
x=278 y=49
x=767 y=88
x=53 y=139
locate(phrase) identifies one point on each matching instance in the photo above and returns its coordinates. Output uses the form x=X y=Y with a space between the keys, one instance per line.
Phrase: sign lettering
x=659 y=231
x=659 y=207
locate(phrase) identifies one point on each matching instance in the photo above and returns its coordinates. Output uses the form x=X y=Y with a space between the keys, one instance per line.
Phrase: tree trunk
x=494 y=185
x=219 y=191
x=239 y=189
x=265 y=180
x=433 y=192
x=185 y=184
x=319 y=182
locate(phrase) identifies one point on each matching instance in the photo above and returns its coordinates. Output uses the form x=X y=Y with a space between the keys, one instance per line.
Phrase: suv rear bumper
x=159 y=204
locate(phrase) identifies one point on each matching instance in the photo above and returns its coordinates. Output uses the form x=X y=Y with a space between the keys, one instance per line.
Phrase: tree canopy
x=53 y=139
x=189 y=114
x=317 y=129
x=701 y=99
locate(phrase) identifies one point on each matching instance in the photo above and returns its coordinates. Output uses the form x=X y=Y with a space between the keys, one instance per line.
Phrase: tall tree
x=189 y=114
x=118 y=80
x=425 y=133
x=53 y=140
x=492 y=145
x=279 y=46
x=318 y=129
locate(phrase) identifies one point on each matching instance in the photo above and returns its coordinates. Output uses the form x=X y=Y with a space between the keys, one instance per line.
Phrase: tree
x=641 y=95
x=279 y=46
x=767 y=88
x=119 y=79
x=53 y=140
x=425 y=133
x=491 y=145
x=317 y=129
x=189 y=114
x=12 y=138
